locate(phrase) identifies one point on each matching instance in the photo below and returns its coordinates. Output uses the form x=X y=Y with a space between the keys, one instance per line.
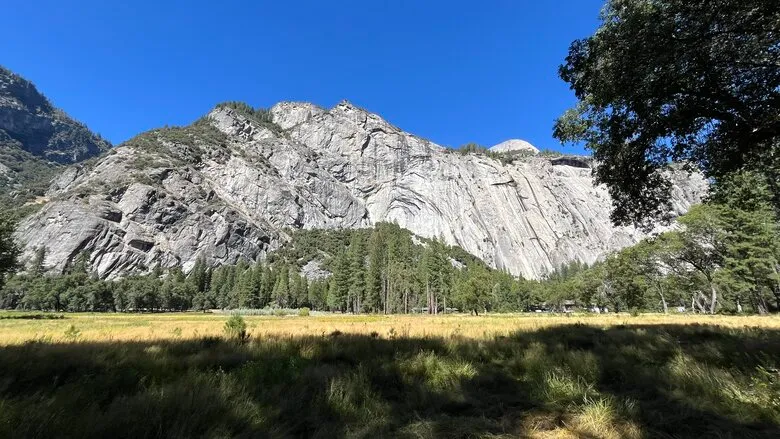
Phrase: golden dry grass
x=171 y=326
x=495 y=376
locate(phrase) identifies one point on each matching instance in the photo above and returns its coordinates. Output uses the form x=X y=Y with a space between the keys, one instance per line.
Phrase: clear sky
x=450 y=71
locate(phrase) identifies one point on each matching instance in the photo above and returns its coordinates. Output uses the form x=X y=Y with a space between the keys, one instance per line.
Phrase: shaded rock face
x=36 y=142
x=228 y=187
x=31 y=123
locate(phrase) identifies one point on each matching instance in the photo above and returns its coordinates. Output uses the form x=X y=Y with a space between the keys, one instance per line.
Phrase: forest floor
x=525 y=375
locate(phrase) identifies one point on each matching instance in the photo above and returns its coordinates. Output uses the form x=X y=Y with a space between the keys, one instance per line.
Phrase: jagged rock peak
x=514 y=145
x=290 y=114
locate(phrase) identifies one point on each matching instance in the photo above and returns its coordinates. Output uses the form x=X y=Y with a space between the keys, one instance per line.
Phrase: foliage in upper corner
x=675 y=80
x=259 y=115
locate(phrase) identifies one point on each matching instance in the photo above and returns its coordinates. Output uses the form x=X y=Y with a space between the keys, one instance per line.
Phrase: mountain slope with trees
x=36 y=141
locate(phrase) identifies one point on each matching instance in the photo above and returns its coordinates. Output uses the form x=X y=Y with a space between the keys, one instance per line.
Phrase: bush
x=304 y=312
x=235 y=329
x=72 y=333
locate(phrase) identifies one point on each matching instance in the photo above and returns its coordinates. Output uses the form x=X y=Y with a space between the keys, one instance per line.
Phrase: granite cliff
x=36 y=141
x=231 y=184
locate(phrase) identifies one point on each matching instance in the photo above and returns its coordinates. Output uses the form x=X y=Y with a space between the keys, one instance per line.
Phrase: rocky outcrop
x=29 y=120
x=36 y=141
x=230 y=185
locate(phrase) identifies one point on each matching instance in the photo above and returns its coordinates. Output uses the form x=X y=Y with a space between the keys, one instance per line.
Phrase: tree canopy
x=690 y=81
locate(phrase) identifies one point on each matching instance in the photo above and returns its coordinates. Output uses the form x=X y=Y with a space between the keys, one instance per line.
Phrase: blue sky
x=450 y=71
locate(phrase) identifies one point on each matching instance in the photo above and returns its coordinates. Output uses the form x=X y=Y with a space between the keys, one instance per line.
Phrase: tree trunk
x=663 y=301
x=714 y=299
x=385 y=287
x=761 y=307
x=776 y=287
x=428 y=297
x=698 y=303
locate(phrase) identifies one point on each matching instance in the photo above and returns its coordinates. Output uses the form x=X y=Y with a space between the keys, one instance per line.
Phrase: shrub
x=235 y=329
x=304 y=312
x=72 y=333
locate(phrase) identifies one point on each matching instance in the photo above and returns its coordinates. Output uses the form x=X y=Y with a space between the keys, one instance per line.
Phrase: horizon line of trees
x=379 y=270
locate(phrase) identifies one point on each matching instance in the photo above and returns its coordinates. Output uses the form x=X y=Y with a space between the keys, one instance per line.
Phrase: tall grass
x=622 y=381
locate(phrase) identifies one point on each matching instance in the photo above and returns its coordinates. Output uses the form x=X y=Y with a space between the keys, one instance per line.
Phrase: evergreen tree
x=281 y=292
x=374 y=274
x=199 y=275
x=9 y=250
x=338 y=289
x=357 y=273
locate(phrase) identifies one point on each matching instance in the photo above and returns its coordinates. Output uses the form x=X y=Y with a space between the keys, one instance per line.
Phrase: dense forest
x=722 y=256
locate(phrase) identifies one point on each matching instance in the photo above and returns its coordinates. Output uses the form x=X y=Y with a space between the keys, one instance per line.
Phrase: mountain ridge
x=36 y=140
x=227 y=187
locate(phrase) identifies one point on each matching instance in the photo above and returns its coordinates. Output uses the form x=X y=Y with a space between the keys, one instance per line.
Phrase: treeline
x=380 y=270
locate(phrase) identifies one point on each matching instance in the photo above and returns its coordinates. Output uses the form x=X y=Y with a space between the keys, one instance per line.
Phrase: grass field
x=176 y=375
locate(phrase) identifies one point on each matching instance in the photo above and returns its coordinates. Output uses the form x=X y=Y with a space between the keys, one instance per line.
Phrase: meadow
x=494 y=376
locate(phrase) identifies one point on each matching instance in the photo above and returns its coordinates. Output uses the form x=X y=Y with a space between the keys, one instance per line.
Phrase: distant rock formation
x=35 y=138
x=514 y=145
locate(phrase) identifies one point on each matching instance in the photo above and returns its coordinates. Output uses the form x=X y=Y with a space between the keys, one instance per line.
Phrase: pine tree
x=372 y=301
x=281 y=292
x=9 y=249
x=338 y=290
x=255 y=299
x=245 y=288
x=269 y=281
x=357 y=287
x=199 y=275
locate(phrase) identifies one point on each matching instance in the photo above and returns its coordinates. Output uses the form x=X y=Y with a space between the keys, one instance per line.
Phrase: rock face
x=230 y=185
x=28 y=119
x=35 y=140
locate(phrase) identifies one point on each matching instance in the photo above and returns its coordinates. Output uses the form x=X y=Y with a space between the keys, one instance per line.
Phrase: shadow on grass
x=584 y=381
x=35 y=316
